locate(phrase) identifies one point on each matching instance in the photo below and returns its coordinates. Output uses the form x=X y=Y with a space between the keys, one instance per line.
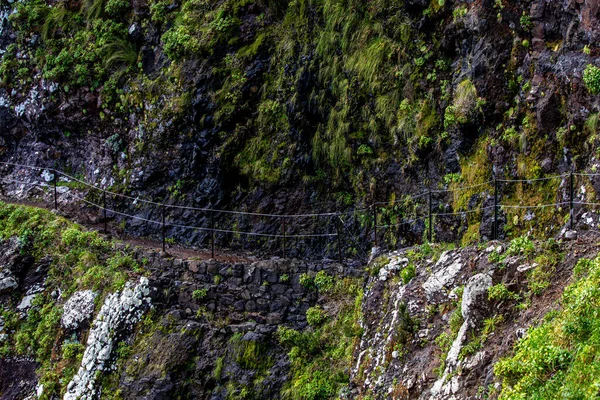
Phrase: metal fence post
x=54 y=179
x=283 y=230
x=375 y=223
x=104 y=209
x=212 y=231
x=495 y=233
x=430 y=234
x=571 y=200
x=339 y=238
x=164 y=230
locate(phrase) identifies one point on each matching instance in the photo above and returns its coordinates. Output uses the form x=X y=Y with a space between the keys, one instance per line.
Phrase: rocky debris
x=119 y=312
x=77 y=309
x=401 y=325
x=27 y=300
x=444 y=274
x=7 y=281
x=395 y=265
x=11 y=264
x=526 y=267
x=3 y=336
x=571 y=235
x=18 y=379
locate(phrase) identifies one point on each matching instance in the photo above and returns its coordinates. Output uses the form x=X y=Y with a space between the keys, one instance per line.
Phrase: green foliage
x=306 y=280
x=477 y=342
x=199 y=294
x=407 y=273
x=218 y=371
x=525 y=21
x=500 y=292
x=321 y=355
x=323 y=281
x=591 y=78
x=178 y=42
x=591 y=124
x=250 y=354
x=459 y=13
x=559 y=358
x=464 y=105
x=315 y=316
x=37 y=334
x=522 y=245
x=116 y=8
x=72 y=350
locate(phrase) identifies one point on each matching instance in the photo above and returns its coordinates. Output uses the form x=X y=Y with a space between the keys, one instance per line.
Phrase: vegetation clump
x=321 y=355
x=591 y=78
x=559 y=358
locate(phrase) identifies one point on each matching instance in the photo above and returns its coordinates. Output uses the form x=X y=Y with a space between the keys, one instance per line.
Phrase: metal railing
x=340 y=229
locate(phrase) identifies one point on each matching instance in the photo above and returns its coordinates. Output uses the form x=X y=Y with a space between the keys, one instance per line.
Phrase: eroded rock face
x=444 y=273
x=120 y=311
x=77 y=309
x=7 y=281
x=401 y=323
x=473 y=308
x=9 y=264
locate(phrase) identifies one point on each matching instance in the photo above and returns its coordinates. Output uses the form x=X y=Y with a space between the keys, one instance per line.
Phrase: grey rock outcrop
x=78 y=309
x=474 y=306
x=119 y=311
x=444 y=273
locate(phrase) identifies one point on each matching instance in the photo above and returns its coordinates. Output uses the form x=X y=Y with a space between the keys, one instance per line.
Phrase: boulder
x=78 y=308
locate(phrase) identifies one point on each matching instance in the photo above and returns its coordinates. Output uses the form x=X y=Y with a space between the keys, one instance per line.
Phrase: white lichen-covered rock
x=473 y=306
x=78 y=308
x=474 y=297
x=119 y=312
x=392 y=267
x=444 y=273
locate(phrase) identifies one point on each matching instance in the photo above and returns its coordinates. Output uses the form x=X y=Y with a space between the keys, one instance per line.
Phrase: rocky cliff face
x=295 y=106
x=440 y=334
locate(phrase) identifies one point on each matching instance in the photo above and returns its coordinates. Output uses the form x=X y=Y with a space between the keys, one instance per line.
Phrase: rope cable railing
x=284 y=233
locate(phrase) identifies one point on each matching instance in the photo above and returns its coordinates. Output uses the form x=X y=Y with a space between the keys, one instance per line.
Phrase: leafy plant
x=199 y=294
x=323 y=281
x=315 y=316
x=591 y=78
x=559 y=358
x=500 y=292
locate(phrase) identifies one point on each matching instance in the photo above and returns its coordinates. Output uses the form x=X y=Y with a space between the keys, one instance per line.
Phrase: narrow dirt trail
x=83 y=218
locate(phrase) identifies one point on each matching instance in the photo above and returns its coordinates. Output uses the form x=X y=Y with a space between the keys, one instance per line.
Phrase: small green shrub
x=315 y=386
x=323 y=281
x=525 y=21
x=72 y=351
x=591 y=78
x=500 y=292
x=521 y=245
x=307 y=281
x=199 y=294
x=315 y=316
x=178 y=43
x=409 y=272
